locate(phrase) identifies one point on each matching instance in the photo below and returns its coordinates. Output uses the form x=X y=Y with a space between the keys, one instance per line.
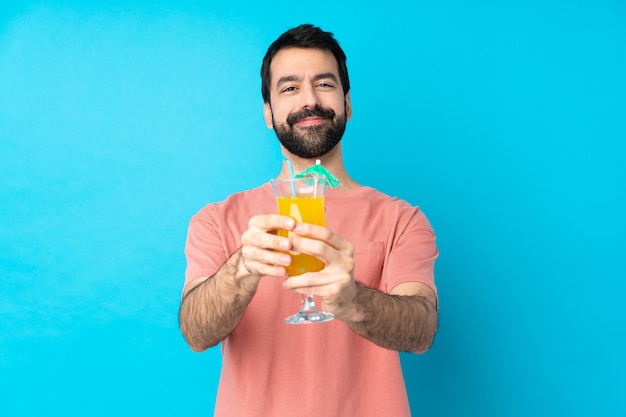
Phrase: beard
x=311 y=141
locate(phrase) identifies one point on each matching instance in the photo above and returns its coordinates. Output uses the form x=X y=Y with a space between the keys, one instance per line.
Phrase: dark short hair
x=304 y=36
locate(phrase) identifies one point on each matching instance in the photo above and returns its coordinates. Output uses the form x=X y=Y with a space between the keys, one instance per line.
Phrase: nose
x=309 y=97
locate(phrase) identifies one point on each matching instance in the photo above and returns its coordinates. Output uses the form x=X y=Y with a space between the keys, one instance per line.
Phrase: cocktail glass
x=303 y=200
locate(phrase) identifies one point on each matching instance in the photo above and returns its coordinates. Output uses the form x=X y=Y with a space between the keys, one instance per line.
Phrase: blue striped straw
x=291 y=175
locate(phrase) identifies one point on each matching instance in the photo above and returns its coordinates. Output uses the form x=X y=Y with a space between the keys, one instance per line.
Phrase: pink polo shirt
x=270 y=368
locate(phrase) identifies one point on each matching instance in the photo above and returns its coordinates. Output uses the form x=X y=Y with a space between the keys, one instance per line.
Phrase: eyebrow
x=291 y=78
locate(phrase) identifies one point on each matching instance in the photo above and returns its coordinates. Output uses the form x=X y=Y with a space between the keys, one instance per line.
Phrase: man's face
x=307 y=109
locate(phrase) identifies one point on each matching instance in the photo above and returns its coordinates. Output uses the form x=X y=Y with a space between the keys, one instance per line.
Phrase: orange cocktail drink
x=303 y=209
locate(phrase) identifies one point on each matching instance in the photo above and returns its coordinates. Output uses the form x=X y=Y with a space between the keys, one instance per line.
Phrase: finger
x=261 y=239
x=321 y=233
x=271 y=222
x=333 y=257
x=327 y=292
x=253 y=256
x=265 y=269
x=317 y=283
x=313 y=247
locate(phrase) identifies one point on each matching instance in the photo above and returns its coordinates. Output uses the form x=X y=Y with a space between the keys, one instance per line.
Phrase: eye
x=325 y=84
x=288 y=89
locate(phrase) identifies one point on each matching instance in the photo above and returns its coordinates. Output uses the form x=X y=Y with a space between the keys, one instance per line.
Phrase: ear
x=348 y=107
x=267 y=115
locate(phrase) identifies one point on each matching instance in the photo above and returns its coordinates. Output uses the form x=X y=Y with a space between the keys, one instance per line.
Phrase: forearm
x=398 y=322
x=211 y=311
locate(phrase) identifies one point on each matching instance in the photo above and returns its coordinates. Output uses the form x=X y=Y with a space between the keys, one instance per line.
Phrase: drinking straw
x=317 y=162
x=291 y=175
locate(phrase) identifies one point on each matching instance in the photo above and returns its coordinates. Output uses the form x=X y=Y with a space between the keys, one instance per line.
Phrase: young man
x=378 y=280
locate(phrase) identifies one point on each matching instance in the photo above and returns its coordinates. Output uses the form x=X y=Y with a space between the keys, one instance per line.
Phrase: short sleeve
x=413 y=251
x=204 y=250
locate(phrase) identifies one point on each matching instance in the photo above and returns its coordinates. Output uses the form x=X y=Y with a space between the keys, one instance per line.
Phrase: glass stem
x=308 y=303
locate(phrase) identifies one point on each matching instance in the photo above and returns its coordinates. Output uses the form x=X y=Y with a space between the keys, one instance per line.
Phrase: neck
x=332 y=161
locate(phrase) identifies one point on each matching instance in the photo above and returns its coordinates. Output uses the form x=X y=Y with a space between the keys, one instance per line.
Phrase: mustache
x=316 y=111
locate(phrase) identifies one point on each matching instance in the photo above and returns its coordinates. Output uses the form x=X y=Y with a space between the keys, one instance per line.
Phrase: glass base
x=311 y=315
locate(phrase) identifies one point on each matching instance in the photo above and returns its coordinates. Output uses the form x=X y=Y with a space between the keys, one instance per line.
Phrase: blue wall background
x=505 y=122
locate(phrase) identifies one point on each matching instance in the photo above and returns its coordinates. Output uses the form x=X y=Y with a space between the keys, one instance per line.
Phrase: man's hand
x=213 y=306
x=405 y=319
x=262 y=249
x=335 y=283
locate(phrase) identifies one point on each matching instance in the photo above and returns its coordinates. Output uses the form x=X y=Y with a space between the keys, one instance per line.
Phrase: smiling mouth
x=310 y=117
x=311 y=121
